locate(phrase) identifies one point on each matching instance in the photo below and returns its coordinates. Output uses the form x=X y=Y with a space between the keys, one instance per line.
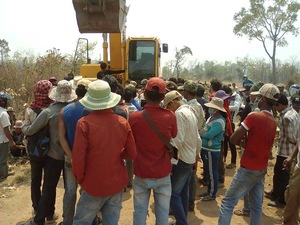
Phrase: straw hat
x=216 y=103
x=63 y=92
x=99 y=96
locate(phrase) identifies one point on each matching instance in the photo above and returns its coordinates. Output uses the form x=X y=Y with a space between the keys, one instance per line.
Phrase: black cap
x=282 y=100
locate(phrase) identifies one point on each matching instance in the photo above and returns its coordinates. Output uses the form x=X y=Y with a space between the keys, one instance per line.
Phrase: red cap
x=156 y=82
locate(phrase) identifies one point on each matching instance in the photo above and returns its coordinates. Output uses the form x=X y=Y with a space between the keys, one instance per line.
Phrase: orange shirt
x=261 y=128
x=102 y=140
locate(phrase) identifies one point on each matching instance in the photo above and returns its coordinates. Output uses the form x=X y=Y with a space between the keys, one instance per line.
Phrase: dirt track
x=15 y=203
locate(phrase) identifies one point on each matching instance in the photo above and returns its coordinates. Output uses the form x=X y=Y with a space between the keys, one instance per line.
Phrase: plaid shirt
x=288 y=124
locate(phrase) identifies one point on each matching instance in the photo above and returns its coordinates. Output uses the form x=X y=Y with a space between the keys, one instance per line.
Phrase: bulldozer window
x=141 y=59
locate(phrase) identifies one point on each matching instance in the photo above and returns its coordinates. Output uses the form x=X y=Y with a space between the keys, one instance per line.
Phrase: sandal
x=230 y=166
x=240 y=212
x=208 y=198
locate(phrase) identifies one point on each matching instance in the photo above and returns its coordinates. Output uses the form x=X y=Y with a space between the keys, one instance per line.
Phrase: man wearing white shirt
x=188 y=143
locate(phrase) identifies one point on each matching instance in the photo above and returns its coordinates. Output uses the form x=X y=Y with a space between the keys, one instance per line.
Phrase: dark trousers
x=221 y=166
x=231 y=146
x=192 y=190
x=37 y=168
x=46 y=207
x=280 y=179
x=205 y=172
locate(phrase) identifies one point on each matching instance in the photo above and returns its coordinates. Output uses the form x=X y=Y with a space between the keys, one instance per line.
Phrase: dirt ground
x=15 y=202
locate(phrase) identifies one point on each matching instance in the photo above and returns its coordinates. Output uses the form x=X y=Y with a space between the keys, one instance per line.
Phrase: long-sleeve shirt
x=211 y=139
x=187 y=141
x=288 y=124
x=234 y=105
x=103 y=140
x=199 y=113
x=48 y=116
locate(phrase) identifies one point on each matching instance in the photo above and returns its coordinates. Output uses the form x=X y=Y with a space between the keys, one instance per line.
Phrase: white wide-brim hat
x=216 y=103
x=63 y=92
x=99 y=96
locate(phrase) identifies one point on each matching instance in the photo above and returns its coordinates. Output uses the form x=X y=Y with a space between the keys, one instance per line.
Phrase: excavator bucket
x=100 y=16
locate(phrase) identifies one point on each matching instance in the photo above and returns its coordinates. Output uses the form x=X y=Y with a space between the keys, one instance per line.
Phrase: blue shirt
x=72 y=113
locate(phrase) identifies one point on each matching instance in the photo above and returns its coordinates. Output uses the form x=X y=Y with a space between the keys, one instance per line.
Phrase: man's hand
x=287 y=162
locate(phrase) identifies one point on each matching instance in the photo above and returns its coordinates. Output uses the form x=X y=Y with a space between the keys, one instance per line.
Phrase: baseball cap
x=190 y=86
x=170 y=96
x=296 y=100
x=269 y=91
x=170 y=85
x=156 y=82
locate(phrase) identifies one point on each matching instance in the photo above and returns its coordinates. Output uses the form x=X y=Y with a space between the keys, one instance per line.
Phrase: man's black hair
x=120 y=90
x=174 y=79
x=128 y=94
x=112 y=81
x=103 y=65
x=80 y=90
x=200 y=90
x=216 y=84
x=154 y=95
x=227 y=89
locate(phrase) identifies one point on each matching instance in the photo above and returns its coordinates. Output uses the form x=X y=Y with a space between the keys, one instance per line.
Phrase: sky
x=205 y=26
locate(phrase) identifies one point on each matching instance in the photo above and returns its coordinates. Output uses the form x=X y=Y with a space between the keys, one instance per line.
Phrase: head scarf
x=41 y=99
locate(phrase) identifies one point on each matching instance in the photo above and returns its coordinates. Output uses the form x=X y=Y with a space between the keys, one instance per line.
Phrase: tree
x=179 y=58
x=268 y=21
x=4 y=50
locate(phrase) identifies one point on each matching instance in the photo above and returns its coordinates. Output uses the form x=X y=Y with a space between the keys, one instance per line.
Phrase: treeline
x=257 y=69
x=19 y=72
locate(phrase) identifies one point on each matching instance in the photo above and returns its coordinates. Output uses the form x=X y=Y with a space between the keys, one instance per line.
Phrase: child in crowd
x=18 y=137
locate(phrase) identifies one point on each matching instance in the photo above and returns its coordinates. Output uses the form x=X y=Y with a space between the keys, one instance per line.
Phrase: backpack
x=38 y=144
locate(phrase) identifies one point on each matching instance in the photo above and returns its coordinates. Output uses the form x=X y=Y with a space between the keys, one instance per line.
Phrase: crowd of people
x=150 y=136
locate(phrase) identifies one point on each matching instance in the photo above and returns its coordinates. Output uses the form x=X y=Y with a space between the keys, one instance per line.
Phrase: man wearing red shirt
x=256 y=134
x=152 y=165
x=103 y=140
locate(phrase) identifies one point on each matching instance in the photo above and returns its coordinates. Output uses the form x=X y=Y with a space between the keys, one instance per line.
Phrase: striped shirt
x=288 y=125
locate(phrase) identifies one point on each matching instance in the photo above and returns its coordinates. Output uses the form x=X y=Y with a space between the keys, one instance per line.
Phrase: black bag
x=38 y=144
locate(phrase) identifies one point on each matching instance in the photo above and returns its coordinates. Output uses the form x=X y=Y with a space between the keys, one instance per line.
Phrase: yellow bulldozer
x=138 y=57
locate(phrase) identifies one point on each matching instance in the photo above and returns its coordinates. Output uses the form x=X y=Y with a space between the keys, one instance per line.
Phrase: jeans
x=141 y=194
x=52 y=173
x=4 y=150
x=246 y=207
x=88 y=206
x=211 y=160
x=280 y=179
x=244 y=181
x=69 y=199
x=180 y=179
x=37 y=168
